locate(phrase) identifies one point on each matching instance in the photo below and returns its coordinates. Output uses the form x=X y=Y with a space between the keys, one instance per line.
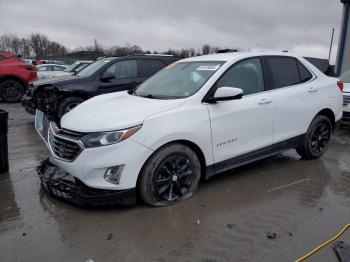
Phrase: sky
x=300 y=26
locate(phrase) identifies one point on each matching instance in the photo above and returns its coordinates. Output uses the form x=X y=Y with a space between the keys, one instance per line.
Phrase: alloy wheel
x=320 y=137
x=173 y=178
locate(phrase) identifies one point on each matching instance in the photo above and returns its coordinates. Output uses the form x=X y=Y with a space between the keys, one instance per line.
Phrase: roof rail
x=150 y=55
x=158 y=55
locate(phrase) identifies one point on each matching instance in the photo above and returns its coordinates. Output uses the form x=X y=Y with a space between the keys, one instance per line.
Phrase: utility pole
x=330 y=48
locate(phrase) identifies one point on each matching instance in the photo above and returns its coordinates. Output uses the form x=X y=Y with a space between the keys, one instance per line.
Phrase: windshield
x=92 y=68
x=70 y=67
x=178 y=80
x=345 y=77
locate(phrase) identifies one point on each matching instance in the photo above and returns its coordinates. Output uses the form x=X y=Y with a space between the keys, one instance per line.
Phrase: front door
x=244 y=125
x=125 y=74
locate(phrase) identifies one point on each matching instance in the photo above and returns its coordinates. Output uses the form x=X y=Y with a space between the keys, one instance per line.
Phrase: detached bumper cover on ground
x=63 y=186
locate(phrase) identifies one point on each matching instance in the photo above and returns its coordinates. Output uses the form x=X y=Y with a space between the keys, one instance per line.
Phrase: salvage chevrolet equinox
x=195 y=118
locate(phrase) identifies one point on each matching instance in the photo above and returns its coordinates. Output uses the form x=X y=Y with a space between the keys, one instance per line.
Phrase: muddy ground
x=226 y=220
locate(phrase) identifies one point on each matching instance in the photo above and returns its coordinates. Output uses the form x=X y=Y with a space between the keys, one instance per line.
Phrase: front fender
x=190 y=124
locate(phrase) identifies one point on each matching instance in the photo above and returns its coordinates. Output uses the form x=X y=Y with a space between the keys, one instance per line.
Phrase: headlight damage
x=107 y=138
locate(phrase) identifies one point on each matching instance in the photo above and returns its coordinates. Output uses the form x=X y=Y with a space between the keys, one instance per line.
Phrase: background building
x=343 y=56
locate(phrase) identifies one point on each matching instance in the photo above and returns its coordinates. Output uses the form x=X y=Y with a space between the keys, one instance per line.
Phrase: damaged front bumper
x=63 y=186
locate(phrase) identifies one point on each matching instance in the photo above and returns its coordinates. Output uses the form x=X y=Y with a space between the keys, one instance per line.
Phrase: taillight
x=29 y=67
x=340 y=85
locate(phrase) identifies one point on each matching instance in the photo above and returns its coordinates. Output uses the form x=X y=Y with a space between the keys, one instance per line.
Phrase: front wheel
x=172 y=174
x=317 y=138
x=68 y=104
x=11 y=91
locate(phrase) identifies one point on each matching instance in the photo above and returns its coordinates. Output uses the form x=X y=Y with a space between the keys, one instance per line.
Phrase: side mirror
x=226 y=93
x=106 y=76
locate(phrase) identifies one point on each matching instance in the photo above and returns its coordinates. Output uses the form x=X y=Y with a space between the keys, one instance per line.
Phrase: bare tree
x=206 y=49
x=4 y=43
x=25 y=48
x=39 y=44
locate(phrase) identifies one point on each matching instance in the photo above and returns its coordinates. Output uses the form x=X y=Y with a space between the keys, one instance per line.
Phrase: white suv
x=197 y=117
x=344 y=84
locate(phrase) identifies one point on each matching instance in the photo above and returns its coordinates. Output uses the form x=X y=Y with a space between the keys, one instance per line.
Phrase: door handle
x=312 y=89
x=264 y=101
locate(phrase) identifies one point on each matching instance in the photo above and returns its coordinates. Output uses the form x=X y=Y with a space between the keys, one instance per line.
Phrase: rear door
x=295 y=94
x=243 y=125
x=126 y=76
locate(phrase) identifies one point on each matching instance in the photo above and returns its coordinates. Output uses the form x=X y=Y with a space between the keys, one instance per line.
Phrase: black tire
x=317 y=138
x=11 y=91
x=68 y=104
x=171 y=174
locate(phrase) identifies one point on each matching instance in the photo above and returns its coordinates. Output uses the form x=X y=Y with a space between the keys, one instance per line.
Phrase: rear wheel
x=11 y=91
x=172 y=174
x=317 y=138
x=68 y=104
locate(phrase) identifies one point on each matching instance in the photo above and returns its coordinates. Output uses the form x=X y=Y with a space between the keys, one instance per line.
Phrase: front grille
x=346 y=99
x=71 y=134
x=64 y=147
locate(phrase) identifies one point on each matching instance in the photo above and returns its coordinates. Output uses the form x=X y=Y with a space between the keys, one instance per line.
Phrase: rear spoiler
x=323 y=65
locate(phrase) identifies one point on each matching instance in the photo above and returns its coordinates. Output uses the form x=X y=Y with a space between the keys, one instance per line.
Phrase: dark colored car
x=77 y=66
x=57 y=96
x=15 y=74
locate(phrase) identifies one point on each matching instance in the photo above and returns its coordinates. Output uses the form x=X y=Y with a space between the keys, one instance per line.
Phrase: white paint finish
x=114 y=112
x=224 y=91
x=240 y=126
x=91 y=165
x=346 y=94
x=221 y=131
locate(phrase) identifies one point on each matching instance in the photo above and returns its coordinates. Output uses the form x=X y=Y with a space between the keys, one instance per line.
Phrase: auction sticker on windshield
x=208 y=67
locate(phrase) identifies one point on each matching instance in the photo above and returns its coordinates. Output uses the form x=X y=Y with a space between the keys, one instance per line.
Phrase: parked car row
x=46 y=70
x=57 y=96
x=15 y=75
x=53 y=70
x=193 y=119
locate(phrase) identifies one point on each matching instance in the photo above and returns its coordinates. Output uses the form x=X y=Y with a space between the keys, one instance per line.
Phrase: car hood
x=62 y=80
x=114 y=112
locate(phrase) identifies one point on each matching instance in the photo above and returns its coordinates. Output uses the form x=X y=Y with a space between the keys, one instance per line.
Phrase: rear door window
x=151 y=66
x=58 y=68
x=284 y=71
x=305 y=75
x=45 y=68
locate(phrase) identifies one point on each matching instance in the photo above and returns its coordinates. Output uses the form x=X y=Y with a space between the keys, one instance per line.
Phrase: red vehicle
x=15 y=74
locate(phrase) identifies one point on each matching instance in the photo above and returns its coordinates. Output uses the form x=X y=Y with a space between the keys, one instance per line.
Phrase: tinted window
x=124 y=69
x=44 y=68
x=1 y=57
x=150 y=67
x=284 y=71
x=305 y=75
x=246 y=75
x=58 y=68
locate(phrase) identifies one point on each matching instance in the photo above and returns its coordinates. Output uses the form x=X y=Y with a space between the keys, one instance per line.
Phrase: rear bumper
x=61 y=185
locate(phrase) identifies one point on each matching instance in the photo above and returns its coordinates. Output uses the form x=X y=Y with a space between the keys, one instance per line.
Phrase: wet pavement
x=303 y=202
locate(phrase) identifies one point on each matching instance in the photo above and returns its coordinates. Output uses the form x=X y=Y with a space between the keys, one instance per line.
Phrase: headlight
x=108 y=138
